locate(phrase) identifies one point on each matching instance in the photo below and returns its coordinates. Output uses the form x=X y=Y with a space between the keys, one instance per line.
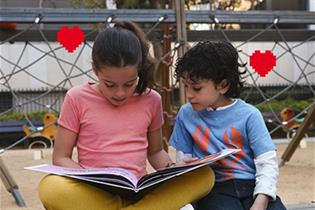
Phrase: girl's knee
x=58 y=192
x=202 y=179
x=52 y=186
x=44 y=189
x=206 y=172
x=46 y=183
x=207 y=176
x=48 y=179
x=52 y=182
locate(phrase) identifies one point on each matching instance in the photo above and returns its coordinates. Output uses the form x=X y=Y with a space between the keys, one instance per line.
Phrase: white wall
x=48 y=69
x=287 y=69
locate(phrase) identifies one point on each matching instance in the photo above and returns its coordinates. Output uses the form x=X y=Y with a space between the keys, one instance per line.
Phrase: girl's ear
x=223 y=86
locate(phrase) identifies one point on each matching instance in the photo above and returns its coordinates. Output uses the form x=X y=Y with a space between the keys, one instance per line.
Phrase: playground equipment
x=291 y=125
x=43 y=135
x=302 y=129
x=10 y=184
x=39 y=135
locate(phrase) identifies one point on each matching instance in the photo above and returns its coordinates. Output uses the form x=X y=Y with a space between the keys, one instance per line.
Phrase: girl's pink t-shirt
x=110 y=136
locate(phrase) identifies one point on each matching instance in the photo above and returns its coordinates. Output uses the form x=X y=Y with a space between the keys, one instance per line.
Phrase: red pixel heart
x=70 y=39
x=262 y=63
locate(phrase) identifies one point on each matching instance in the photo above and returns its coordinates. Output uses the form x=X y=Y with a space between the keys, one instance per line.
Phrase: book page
x=207 y=159
x=121 y=181
x=168 y=173
x=86 y=171
x=213 y=157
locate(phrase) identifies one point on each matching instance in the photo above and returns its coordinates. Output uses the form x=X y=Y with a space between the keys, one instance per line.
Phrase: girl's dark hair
x=123 y=45
x=214 y=61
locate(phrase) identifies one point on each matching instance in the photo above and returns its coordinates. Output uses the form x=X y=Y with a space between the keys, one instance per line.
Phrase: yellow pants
x=61 y=193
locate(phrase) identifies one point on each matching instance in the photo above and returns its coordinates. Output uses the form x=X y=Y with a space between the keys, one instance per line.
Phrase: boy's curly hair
x=210 y=60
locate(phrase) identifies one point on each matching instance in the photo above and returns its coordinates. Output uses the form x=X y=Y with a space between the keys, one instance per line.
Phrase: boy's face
x=205 y=93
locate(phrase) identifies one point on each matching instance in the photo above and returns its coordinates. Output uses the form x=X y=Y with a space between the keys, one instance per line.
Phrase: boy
x=214 y=119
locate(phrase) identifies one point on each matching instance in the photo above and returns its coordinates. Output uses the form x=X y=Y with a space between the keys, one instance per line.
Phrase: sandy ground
x=296 y=181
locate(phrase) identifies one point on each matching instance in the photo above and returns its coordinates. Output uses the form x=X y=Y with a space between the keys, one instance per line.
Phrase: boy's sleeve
x=267 y=172
x=264 y=155
x=181 y=139
x=258 y=134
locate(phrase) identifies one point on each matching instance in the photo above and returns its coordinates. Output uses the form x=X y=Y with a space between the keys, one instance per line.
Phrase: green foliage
x=153 y=4
x=277 y=106
x=130 y=4
x=20 y=116
x=88 y=4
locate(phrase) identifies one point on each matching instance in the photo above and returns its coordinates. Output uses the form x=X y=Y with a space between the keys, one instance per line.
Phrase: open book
x=121 y=181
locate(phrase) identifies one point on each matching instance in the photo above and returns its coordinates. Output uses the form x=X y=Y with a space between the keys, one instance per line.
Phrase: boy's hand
x=186 y=161
x=260 y=203
x=190 y=159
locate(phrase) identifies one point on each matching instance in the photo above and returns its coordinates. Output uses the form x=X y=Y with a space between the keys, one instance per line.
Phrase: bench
x=39 y=132
x=15 y=126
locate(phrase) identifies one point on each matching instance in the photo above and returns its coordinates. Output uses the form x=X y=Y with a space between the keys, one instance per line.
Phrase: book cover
x=121 y=181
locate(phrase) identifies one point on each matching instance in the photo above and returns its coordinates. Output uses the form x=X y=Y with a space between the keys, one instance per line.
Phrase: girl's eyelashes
x=126 y=85
x=109 y=85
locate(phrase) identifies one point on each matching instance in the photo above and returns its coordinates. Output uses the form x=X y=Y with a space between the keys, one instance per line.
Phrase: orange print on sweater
x=204 y=141
x=235 y=141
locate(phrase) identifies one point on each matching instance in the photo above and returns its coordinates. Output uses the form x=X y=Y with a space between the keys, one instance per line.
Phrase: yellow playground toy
x=42 y=133
x=291 y=125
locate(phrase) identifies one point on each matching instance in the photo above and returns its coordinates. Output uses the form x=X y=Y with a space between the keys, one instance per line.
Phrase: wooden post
x=10 y=184
x=166 y=87
x=181 y=37
x=294 y=143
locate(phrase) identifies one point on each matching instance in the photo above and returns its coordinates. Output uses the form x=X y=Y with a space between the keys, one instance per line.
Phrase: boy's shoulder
x=186 y=107
x=241 y=107
x=185 y=110
x=246 y=107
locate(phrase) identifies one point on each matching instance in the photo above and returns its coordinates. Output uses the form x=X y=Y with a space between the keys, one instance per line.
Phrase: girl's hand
x=260 y=203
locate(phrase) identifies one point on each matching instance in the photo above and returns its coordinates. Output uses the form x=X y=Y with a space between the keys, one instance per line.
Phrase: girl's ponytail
x=146 y=63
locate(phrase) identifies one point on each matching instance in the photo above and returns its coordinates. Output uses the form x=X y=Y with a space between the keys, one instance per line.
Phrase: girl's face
x=204 y=93
x=117 y=84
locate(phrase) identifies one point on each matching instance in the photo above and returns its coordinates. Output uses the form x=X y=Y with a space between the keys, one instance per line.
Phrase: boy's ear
x=223 y=86
x=94 y=69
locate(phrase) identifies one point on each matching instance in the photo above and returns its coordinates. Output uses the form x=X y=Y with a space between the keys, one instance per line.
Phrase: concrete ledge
x=303 y=206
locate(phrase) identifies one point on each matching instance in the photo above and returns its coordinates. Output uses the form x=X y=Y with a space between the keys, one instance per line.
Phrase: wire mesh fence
x=36 y=74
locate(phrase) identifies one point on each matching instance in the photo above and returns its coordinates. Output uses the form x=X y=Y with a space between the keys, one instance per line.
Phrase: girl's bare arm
x=63 y=148
x=157 y=156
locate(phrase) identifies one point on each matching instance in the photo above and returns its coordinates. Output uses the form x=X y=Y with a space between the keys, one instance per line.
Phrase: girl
x=116 y=123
